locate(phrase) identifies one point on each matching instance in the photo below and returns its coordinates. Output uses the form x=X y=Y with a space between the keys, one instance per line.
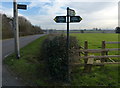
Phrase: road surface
x=8 y=79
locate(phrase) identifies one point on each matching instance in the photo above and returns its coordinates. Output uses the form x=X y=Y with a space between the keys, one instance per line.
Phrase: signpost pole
x=62 y=19
x=16 y=29
x=68 y=43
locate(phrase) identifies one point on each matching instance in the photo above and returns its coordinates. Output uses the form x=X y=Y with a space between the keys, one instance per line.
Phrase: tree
x=82 y=31
x=25 y=27
x=117 y=29
x=7 y=31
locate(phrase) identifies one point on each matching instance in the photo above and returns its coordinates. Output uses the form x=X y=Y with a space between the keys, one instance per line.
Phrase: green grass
x=28 y=67
x=108 y=76
x=95 y=41
x=34 y=72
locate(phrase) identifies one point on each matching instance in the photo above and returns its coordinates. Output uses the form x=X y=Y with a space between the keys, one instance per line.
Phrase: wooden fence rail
x=89 y=60
x=112 y=42
x=95 y=64
x=98 y=50
x=98 y=57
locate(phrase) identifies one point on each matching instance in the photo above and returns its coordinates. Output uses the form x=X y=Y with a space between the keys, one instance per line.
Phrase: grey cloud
x=90 y=7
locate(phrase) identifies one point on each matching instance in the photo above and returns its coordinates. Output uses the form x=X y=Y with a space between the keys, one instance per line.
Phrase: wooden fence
x=89 y=59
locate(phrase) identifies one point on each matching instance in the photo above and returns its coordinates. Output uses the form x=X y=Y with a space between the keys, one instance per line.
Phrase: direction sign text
x=60 y=19
x=21 y=6
x=75 y=18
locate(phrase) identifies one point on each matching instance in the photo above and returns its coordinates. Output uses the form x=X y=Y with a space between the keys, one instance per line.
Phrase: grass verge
x=28 y=67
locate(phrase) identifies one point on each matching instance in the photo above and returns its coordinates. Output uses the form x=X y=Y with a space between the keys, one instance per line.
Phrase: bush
x=54 y=53
x=117 y=29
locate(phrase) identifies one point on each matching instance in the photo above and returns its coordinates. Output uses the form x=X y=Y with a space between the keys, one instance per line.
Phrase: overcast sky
x=95 y=13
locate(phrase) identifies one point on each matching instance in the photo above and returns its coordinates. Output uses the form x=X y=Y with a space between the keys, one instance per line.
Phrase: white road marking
x=7 y=55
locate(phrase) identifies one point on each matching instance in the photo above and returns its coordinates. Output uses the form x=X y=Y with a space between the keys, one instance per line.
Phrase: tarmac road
x=8 y=79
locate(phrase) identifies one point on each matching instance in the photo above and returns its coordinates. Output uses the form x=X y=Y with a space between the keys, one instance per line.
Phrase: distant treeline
x=25 y=27
x=80 y=31
x=94 y=30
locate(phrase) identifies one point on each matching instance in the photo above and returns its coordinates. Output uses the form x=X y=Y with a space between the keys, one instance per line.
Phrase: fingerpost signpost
x=15 y=26
x=62 y=19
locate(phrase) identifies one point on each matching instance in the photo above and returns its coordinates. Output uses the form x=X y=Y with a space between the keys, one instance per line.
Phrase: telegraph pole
x=16 y=29
x=15 y=25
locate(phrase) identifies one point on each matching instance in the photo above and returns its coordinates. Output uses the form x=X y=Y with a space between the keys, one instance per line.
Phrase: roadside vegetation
x=33 y=69
x=55 y=56
x=27 y=67
x=25 y=27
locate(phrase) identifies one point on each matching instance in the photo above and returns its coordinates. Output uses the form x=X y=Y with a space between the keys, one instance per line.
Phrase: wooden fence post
x=86 y=53
x=87 y=67
x=103 y=53
x=79 y=52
